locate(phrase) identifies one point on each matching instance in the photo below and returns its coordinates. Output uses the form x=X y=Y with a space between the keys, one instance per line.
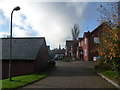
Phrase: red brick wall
x=85 y=46
x=68 y=52
x=41 y=61
x=90 y=46
x=19 y=67
x=92 y=52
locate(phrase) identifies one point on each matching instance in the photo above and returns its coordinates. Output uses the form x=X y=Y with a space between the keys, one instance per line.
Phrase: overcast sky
x=52 y=20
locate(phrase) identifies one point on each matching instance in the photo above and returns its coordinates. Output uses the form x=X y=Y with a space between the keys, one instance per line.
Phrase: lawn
x=22 y=80
x=68 y=60
x=113 y=75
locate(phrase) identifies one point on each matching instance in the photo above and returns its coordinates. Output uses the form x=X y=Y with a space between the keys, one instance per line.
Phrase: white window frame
x=82 y=43
x=85 y=41
x=79 y=44
x=96 y=40
x=85 y=52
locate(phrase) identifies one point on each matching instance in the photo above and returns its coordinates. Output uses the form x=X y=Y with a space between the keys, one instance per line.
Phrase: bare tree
x=109 y=13
x=75 y=34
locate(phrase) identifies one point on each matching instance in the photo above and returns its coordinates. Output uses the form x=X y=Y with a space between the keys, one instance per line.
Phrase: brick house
x=69 y=45
x=88 y=42
x=29 y=55
x=80 y=49
x=86 y=45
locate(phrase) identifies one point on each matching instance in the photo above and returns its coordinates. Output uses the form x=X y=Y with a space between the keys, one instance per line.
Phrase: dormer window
x=96 y=40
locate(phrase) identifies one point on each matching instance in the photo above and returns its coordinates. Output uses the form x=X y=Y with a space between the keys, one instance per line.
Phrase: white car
x=96 y=58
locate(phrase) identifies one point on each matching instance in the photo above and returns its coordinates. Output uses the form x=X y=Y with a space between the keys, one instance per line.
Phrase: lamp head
x=16 y=8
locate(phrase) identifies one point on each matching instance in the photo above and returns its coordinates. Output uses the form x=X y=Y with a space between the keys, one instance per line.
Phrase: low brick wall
x=18 y=67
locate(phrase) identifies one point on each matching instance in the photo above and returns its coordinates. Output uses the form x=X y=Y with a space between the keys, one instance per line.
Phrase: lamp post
x=15 y=9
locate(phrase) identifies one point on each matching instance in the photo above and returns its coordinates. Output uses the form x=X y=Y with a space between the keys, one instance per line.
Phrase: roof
x=22 y=48
x=69 y=43
x=95 y=30
x=80 y=39
x=86 y=34
x=99 y=28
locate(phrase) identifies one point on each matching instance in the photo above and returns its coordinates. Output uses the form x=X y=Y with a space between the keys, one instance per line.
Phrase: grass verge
x=67 y=60
x=112 y=75
x=22 y=80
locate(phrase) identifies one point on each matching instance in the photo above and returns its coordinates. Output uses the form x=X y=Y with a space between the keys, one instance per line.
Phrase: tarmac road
x=78 y=74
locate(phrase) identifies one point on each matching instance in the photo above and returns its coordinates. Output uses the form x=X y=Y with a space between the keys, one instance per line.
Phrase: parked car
x=61 y=56
x=56 y=57
x=96 y=58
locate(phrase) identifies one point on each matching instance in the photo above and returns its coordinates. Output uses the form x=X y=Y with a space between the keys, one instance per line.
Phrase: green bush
x=115 y=64
x=51 y=63
x=112 y=64
x=67 y=59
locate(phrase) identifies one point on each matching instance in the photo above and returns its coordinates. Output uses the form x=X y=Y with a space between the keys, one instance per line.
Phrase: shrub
x=106 y=63
x=51 y=63
x=67 y=59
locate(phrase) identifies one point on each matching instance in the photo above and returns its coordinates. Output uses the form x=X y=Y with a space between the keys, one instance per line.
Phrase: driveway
x=78 y=74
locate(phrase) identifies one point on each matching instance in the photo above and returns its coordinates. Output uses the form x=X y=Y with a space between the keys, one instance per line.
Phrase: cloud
x=4 y=34
x=17 y=32
x=54 y=21
x=79 y=7
x=50 y=20
x=1 y=22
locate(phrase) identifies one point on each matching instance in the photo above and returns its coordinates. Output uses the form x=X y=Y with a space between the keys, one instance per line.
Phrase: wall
x=85 y=46
x=19 y=67
x=92 y=44
x=41 y=61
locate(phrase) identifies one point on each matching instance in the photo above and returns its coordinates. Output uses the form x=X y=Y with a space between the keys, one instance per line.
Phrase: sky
x=52 y=20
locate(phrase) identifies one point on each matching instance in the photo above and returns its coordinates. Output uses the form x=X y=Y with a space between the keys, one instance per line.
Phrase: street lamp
x=15 y=9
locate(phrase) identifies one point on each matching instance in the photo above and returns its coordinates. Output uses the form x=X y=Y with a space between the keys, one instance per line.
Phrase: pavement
x=78 y=74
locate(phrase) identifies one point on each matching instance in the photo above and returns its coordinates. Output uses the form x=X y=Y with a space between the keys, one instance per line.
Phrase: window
x=85 y=52
x=85 y=40
x=96 y=40
x=79 y=44
x=81 y=52
x=82 y=43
